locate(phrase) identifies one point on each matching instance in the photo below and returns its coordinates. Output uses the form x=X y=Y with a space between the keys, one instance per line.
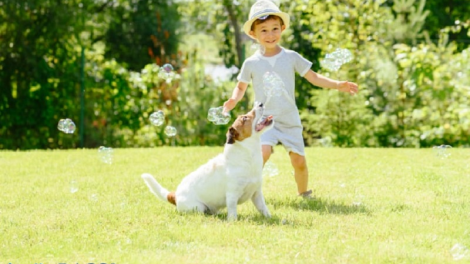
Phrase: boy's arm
x=325 y=82
x=237 y=95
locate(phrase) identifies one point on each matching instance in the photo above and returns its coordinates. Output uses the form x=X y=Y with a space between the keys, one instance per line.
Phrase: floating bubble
x=325 y=142
x=217 y=116
x=167 y=73
x=167 y=68
x=273 y=84
x=94 y=197
x=459 y=251
x=73 y=186
x=157 y=118
x=66 y=125
x=170 y=131
x=106 y=154
x=358 y=199
x=270 y=169
x=442 y=151
x=333 y=61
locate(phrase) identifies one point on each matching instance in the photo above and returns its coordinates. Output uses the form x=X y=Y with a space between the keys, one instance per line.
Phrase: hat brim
x=247 y=26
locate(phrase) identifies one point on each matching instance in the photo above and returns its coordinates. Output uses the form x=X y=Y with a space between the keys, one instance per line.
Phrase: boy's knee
x=298 y=161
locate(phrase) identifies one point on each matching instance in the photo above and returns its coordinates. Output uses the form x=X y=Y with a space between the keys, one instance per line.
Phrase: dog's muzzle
x=264 y=122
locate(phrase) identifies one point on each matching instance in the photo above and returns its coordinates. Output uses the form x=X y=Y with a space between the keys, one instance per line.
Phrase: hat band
x=264 y=12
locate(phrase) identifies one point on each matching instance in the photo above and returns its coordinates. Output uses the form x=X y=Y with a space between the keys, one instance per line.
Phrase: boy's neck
x=272 y=51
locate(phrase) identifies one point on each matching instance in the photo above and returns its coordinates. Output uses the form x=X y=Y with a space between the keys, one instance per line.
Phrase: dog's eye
x=244 y=119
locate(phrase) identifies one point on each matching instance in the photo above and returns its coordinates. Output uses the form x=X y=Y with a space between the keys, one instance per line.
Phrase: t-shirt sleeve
x=301 y=65
x=245 y=73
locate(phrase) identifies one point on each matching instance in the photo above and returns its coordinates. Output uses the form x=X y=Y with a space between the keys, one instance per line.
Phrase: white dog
x=230 y=178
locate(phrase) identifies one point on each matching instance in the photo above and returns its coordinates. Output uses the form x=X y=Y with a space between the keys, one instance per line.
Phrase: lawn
x=372 y=206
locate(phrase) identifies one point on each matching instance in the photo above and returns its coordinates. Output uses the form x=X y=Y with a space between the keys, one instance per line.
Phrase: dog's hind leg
x=260 y=203
x=192 y=206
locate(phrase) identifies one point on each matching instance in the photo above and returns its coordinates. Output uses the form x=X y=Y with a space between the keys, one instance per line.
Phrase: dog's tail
x=161 y=193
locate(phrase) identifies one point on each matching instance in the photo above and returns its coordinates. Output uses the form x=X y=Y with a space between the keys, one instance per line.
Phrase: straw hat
x=262 y=9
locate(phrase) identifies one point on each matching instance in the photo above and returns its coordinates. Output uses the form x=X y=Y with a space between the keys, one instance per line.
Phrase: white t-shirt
x=284 y=65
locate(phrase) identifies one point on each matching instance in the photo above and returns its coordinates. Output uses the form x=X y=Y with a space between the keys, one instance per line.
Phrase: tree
x=143 y=31
x=40 y=59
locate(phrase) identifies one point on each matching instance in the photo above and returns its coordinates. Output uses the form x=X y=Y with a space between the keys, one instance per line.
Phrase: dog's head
x=252 y=123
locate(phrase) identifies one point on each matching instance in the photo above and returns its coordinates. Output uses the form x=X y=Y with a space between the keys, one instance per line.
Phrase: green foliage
x=409 y=96
x=40 y=63
x=410 y=61
x=142 y=32
x=38 y=70
x=120 y=103
x=445 y=14
x=223 y=20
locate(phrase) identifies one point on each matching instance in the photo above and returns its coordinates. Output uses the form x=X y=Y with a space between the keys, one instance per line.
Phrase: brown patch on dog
x=232 y=135
x=241 y=128
x=171 y=197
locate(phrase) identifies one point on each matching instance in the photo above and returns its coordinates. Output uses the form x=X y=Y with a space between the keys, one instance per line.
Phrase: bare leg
x=300 y=171
x=267 y=150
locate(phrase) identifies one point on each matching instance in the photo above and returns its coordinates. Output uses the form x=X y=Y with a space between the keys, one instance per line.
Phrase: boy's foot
x=307 y=195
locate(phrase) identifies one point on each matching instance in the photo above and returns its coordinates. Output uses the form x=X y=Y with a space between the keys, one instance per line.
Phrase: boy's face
x=268 y=32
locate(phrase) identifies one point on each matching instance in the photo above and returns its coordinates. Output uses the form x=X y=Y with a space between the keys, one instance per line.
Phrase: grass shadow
x=320 y=205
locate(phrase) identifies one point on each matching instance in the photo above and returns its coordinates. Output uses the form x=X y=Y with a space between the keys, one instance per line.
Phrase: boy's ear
x=283 y=27
x=252 y=33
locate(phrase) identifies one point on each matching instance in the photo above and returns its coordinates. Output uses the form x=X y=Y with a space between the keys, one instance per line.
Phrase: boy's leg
x=267 y=150
x=300 y=171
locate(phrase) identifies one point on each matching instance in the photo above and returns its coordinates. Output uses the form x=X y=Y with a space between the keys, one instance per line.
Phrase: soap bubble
x=94 y=197
x=442 y=151
x=106 y=154
x=157 y=118
x=459 y=251
x=273 y=84
x=73 y=186
x=167 y=68
x=167 y=73
x=270 y=169
x=325 y=142
x=66 y=125
x=170 y=131
x=358 y=199
x=333 y=61
x=217 y=116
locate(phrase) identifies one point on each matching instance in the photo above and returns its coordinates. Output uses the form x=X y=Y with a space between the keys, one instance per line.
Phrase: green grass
x=373 y=206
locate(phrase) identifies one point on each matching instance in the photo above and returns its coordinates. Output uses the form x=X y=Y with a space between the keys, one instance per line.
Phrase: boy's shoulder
x=290 y=52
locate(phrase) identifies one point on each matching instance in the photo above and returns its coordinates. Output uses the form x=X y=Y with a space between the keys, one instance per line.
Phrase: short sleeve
x=301 y=65
x=245 y=73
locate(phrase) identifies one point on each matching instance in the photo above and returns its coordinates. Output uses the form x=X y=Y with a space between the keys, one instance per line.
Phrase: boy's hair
x=261 y=21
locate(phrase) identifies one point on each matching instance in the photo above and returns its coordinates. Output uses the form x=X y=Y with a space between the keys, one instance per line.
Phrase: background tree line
x=411 y=61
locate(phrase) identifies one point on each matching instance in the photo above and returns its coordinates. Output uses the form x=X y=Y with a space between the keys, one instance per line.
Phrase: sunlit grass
x=372 y=206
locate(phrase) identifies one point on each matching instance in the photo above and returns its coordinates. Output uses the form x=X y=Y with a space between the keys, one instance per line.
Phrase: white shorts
x=289 y=136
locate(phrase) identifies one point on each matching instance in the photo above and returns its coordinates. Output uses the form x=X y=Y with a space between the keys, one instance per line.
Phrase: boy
x=265 y=24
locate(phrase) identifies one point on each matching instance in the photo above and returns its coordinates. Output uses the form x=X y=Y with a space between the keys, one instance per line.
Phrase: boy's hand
x=347 y=87
x=229 y=105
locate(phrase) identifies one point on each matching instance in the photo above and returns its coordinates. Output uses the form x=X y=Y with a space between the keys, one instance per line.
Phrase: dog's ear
x=232 y=134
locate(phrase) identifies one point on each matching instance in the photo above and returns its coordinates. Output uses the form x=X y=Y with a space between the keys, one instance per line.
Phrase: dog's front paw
x=231 y=217
x=267 y=214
